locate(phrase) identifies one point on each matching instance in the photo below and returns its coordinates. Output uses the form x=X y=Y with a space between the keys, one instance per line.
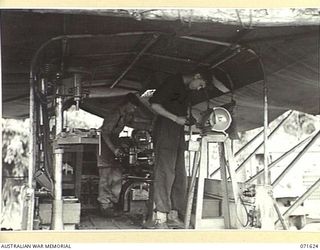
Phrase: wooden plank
x=78 y=173
x=77 y=140
x=209 y=223
x=212 y=187
x=192 y=185
x=71 y=213
x=200 y=189
x=234 y=183
x=225 y=193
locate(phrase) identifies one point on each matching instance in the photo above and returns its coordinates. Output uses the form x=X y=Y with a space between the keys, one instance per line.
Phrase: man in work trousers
x=110 y=174
x=170 y=101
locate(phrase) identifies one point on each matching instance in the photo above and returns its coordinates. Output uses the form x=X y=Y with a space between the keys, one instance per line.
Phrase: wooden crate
x=213 y=187
x=212 y=214
x=71 y=213
x=211 y=208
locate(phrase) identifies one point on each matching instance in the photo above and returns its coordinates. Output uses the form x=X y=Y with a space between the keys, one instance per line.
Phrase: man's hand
x=118 y=152
x=191 y=121
x=181 y=120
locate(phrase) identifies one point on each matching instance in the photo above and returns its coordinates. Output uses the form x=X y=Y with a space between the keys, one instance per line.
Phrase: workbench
x=80 y=153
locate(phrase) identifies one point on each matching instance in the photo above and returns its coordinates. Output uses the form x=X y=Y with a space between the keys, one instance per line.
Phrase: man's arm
x=159 y=109
x=106 y=130
x=109 y=143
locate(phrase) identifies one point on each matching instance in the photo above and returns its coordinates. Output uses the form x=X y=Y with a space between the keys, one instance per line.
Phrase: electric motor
x=216 y=119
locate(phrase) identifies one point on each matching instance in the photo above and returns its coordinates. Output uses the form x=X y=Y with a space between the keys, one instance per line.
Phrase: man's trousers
x=170 y=181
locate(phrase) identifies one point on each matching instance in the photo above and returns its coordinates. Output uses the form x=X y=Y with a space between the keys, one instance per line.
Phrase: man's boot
x=160 y=222
x=174 y=221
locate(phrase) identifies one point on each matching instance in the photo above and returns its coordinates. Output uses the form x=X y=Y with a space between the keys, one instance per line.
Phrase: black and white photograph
x=160 y=119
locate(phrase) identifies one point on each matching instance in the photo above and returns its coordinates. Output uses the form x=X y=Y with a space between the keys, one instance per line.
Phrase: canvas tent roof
x=142 y=48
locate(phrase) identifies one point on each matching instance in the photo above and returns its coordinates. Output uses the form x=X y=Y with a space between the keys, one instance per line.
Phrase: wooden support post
x=231 y=167
x=267 y=205
x=224 y=187
x=205 y=140
x=202 y=174
x=191 y=189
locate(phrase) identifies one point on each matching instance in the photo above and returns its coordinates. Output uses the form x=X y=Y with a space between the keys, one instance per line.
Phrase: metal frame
x=57 y=203
x=57 y=222
x=123 y=74
x=211 y=41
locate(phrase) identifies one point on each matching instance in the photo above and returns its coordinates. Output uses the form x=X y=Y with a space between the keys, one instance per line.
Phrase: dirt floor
x=96 y=221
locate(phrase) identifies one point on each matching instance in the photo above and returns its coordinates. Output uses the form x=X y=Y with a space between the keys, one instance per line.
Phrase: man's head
x=132 y=103
x=200 y=78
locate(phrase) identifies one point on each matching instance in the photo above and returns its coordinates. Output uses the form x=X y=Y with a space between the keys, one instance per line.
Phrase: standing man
x=110 y=174
x=170 y=101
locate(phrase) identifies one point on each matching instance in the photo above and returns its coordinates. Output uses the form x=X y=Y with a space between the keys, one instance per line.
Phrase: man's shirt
x=172 y=95
x=112 y=125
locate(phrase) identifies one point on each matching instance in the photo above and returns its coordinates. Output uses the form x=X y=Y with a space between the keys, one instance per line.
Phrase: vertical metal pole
x=59 y=116
x=267 y=206
x=265 y=135
x=41 y=148
x=43 y=91
x=77 y=89
x=57 y=203
x=32 y=152
x=190 y=138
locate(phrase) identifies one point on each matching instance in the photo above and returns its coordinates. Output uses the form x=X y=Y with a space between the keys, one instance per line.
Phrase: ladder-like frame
x=227 y=162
